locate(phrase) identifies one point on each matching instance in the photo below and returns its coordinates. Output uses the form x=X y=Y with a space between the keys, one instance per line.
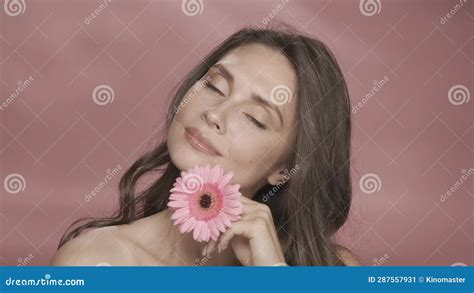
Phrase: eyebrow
x=224 y=71
x=257 y=98
x=268 y=104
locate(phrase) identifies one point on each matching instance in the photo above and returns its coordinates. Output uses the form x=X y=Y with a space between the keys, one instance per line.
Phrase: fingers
x=251 y=206
x=210 y=247
x=257 y=210
x=237 y=228
x=255 y=218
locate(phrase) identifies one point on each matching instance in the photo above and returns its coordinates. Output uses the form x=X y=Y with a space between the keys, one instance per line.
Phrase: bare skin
x=146 y=242
x=134 y=245
x=229 y=116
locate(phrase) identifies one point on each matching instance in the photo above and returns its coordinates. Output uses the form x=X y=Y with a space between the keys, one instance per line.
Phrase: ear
x=279 y=176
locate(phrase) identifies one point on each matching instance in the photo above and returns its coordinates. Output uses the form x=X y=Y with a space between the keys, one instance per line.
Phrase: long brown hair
x=314 y=202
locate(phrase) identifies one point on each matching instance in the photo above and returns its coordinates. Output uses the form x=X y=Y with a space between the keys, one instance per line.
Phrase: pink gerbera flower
x=205 y=202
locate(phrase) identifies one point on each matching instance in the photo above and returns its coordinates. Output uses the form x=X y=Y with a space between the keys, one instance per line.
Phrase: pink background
x=409 y=133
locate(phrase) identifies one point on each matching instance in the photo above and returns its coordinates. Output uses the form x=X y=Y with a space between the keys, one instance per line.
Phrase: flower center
x=205 y=201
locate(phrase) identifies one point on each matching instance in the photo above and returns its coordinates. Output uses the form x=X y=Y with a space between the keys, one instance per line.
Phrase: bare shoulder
x=100 y=246
x=347 y=256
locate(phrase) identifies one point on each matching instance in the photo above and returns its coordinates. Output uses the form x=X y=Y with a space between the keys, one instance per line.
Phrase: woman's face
x=240 y=115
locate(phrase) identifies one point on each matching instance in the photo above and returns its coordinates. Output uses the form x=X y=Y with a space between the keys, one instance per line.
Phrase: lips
x=200 y=142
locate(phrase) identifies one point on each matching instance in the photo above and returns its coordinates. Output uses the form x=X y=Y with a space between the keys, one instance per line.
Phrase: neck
x=181 y=249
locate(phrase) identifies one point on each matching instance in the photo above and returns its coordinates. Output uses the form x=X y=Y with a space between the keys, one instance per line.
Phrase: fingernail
x=211 y=249
x=204 y=250
x=224 y=246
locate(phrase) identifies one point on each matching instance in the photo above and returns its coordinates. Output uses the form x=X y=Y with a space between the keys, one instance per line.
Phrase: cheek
x=254 y=154
x=245 y=153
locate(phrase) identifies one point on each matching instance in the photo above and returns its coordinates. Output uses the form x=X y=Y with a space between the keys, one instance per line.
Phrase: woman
x=262 y=103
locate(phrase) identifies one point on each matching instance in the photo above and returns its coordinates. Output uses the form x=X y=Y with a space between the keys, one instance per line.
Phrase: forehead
x=266 y=72
x=263 y=65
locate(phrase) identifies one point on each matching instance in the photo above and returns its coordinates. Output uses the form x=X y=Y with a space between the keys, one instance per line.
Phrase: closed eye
x=255 y=121
x=214 y=88
x=249 y=117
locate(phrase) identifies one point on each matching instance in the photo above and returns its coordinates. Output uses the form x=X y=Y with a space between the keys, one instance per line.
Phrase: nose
x=214 y=121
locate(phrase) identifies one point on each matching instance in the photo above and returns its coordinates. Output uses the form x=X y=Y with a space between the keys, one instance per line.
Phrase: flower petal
x=231 y=211
x=231 y=189
x=177 y=196
x=213 y=229
x=183 y=219
x=180 y=213
x=197 y=230
x=232 y=204
x=219 y=224
x=206 y=233
x=180 y=189
x=225 y=179
x=215 y=174
x=178 y=203
x=234 y=218
x=226 y=220
x=188 y=225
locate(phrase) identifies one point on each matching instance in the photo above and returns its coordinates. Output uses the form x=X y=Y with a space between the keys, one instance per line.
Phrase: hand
x=253 y=237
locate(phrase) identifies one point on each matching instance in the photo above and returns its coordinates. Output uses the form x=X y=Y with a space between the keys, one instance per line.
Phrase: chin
x=184 y=157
